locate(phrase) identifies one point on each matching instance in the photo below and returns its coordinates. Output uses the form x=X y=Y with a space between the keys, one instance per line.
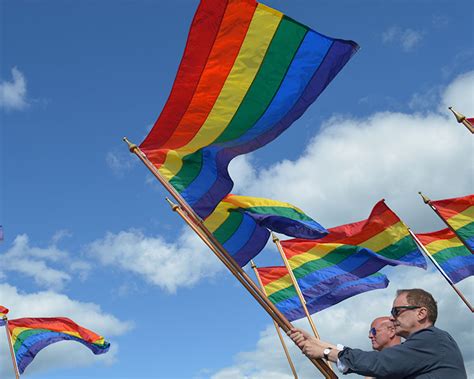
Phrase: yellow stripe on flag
x=462 y=219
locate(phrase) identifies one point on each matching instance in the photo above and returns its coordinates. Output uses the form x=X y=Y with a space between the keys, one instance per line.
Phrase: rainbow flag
x=31 y=335
x=281 y=292
x=241 y=223
x=3 y=315
x=3 y=311
x=382 y=233
x=449 y=252
x=458 y=213
x=247 y=73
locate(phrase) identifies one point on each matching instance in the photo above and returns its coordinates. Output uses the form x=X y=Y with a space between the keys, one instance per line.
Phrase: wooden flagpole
x=462 y=120
x=426 y=200
x=276 y=241
x=236 y=270
x=290 y=362
x=448 y=279
x=10 y=345
x=195 y=222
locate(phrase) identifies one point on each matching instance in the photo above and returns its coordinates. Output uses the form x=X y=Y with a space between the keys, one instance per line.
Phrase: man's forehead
x=400 y=299
x=380 y=321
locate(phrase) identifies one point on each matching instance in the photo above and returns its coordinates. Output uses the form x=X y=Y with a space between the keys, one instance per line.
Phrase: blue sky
x=89 y=236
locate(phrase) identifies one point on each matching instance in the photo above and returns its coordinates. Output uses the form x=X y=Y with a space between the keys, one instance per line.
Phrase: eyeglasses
x=395 y=312
x=373 y=331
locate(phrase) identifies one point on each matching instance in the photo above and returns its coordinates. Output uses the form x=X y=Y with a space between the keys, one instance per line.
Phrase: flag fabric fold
x=278 y=216
x=247 y=73
x=241 y=223
x=31 y=335
x=449 y=252
x=382 y=233
x=458 y=213
x=324 y=294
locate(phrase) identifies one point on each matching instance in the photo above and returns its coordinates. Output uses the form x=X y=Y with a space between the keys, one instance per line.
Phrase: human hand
x=314 y=348
x=299 y=336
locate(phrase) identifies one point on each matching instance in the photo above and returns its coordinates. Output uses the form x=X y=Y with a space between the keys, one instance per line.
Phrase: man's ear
x=422 y=314
x=391 y=332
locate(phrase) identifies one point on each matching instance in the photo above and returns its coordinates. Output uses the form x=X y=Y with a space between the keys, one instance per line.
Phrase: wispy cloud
x=49 y=266
x=119 y=162
x=167 y=265
x=406 y=38
x=13 y=93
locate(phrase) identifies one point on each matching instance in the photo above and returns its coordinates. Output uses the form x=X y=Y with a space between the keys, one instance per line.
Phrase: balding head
x=382 y=333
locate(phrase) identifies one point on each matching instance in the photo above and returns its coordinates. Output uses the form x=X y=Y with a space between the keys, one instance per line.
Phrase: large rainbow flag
x=382 y=233
x=449 y=252
x=241 y=224
x=247 y=73
x=281 y=292
x=31 y=335
x=458 y=213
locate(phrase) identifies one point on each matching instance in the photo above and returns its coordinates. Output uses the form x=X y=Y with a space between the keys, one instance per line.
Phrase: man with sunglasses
x=428 y=352
x=382 y=333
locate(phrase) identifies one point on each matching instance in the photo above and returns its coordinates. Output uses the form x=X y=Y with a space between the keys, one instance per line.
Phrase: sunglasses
x=373 y=331
x=395 y=312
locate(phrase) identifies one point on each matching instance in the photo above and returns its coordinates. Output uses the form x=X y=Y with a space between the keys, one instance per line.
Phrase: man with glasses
x=382 y=333
x=428 y=352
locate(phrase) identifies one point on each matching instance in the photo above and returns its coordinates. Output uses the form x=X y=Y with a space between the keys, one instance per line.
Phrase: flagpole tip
x=425 y=199
x=459 y=117
x=274 y=238
x=173 y=206
x=131 y=146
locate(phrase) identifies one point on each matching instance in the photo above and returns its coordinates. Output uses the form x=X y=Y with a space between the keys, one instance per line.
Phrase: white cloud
x=353 y=163
x=50 y=267
x=407 y=38
x=52 y=304
x=13 y=93
x=460 y=95
x=348 y=322
x=120 y=162
x=345 y=169
x=167 y=265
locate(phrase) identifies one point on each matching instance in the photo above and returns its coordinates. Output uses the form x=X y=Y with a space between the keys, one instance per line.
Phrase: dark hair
x=417 y=296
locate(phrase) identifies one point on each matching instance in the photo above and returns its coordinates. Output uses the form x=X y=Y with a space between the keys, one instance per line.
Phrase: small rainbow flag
x=247 y=73
x=449 y=252
x=3 y=315
x=31 y=335
x=241 y=223
x=382 y=233
x=3 y=311
x=458 y=213
x=281 y=292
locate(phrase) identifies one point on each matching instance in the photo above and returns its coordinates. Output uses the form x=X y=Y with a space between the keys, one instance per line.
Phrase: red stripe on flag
x=270 y=274
x=204 y=29
x=451 y=207
x=233 y=30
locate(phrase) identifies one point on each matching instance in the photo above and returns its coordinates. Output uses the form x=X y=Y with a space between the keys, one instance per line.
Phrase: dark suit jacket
x=430 y=353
